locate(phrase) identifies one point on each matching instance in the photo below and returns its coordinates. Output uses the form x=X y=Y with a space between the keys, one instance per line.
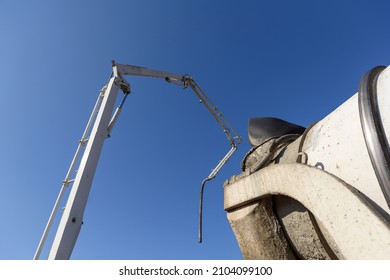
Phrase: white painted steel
x=67 y=179
x=357 y=229
x=221 y=163
x=123 y=69
x=72 y=217
x=337 y=144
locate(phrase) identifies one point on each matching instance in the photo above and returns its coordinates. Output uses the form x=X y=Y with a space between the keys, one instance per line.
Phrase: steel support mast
x=99 y=127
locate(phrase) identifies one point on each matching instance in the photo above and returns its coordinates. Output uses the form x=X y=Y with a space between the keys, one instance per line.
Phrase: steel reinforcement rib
x=373 y=131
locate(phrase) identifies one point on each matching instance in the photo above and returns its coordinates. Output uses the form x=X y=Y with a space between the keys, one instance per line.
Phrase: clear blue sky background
x=296 y=60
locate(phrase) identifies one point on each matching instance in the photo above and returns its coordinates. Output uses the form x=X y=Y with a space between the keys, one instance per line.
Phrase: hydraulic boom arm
x=99 y=127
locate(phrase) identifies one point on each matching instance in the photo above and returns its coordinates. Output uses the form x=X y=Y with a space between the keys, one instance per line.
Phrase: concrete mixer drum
x=321 y=192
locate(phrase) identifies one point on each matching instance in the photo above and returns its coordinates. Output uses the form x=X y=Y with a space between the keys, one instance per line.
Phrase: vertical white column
x=72 y=216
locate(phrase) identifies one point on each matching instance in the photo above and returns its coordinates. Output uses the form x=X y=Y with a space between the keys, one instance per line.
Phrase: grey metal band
x=374 y=134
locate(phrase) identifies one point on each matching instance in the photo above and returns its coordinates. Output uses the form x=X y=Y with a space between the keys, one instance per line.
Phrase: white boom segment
x=103 y=121
x=72 y=217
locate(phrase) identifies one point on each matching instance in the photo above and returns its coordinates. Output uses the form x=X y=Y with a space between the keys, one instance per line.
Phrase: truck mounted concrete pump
x=98 y=128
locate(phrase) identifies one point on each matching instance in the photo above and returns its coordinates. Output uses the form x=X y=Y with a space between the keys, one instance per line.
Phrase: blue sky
x=296 y=60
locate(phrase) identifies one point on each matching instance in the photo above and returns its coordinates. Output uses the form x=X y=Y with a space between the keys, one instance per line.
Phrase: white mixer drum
x=352 y=141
